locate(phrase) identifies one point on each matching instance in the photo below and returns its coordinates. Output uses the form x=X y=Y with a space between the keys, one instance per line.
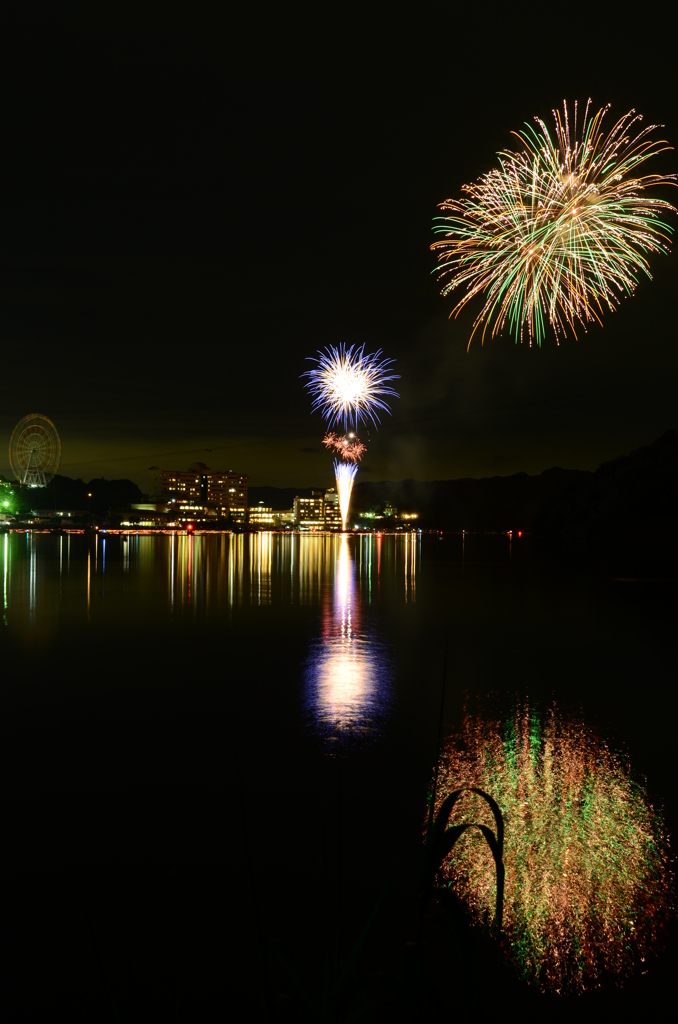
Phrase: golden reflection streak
x=231 y=568
x=260 y=567
x=172 y=540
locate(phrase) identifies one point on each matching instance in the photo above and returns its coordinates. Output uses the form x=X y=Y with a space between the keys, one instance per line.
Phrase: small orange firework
x=349 y=447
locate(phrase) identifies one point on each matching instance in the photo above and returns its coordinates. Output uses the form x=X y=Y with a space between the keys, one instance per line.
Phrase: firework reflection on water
x=588 y=883
x=348 y=677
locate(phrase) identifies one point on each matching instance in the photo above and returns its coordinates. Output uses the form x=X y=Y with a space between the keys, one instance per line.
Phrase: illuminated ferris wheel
x=35 y=450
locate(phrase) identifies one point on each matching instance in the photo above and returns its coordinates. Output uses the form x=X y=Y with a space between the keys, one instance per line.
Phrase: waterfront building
x=221 y=492
x=262 y=515
x=309 y=513
x=228 y=491
x=58 y=514
x=332 y=511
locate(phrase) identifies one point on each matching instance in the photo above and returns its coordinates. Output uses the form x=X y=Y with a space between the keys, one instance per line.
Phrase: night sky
x=191 y=207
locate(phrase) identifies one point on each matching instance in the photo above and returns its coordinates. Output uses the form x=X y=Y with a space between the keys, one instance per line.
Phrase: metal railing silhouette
x=442 y=837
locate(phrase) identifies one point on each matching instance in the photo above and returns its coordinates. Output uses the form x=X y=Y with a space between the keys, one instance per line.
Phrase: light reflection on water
x=348 y=676
x=588 y=864
x=113 y=582
x=5 y=575
x=42 y=571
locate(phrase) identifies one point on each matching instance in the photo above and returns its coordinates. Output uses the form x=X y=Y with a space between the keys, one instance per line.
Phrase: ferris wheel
x=35 y=450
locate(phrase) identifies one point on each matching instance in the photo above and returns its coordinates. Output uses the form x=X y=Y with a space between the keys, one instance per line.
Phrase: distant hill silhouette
x=623 y=514
x=492 y=503
x=626 y=511
x=278 y=498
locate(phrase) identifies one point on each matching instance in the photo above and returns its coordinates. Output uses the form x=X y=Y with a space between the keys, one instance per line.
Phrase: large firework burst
x=560 y=230
x=348 y=386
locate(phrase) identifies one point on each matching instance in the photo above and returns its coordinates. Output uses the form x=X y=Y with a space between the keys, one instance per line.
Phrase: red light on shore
x=520 y=533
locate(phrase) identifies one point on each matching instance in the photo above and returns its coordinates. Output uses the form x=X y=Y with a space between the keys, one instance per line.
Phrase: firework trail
x=349 y=447
x=348 y=386
x=560 y=231
x=345 y=474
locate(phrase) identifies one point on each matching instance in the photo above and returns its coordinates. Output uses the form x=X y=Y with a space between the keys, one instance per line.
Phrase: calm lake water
x=218 y=745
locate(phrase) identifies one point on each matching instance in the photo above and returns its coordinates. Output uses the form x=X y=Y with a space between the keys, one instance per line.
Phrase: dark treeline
x=99 y=495
x=624 y=512
x=493 y=503
x=623 y=515
x=278 y=498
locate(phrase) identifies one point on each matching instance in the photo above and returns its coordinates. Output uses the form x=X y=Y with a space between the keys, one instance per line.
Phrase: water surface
x=205 y=732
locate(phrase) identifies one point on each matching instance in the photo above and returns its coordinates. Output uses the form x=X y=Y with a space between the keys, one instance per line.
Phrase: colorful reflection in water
x=50 y=582
x=50 y=579
x=348 y=677
x=588 y=883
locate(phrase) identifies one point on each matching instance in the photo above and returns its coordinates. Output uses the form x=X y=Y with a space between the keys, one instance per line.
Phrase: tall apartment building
x=309 y=513
x=332 y=513
x=226 y=492
x=319 y=512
